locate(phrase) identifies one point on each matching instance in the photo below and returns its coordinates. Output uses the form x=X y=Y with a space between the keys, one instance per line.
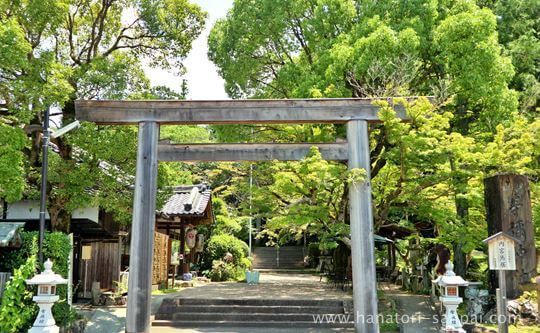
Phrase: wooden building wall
x=104 y=266
x=160 y=263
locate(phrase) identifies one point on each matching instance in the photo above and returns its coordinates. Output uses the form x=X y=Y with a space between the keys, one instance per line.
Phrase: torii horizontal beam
x=249 y=151
x=251 y=111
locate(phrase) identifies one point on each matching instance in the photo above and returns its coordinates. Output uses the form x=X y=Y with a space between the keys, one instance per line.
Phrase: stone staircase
x=286 y=258
x=267 y=313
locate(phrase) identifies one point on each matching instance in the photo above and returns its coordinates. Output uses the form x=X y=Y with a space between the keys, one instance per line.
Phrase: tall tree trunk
x=60 y=219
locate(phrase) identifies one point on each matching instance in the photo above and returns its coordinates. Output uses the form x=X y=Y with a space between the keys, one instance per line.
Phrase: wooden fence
x=103 y=267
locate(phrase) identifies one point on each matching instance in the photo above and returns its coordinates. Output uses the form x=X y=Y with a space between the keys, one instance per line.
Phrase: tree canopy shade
x=55 y=51
x=465 y=53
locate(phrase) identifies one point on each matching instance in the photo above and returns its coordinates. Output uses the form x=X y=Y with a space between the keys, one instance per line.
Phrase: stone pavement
x=416 y=312
x=416 y=308
x=273 y=286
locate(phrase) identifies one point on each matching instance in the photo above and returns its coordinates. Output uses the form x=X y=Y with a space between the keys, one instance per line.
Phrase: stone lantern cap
x=450 y=278
x=47 y=276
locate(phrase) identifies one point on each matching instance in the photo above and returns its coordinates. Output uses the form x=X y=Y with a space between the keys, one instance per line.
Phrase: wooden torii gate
x=149 y=115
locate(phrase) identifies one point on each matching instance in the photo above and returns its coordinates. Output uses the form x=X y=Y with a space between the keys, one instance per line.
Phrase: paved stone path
x=416 y=312
x=275 y=286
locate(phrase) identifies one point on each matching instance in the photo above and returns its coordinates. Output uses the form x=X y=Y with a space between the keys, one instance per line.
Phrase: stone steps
x=180 y=301
x=196 y=312
x=239 y=308
x=253 y=324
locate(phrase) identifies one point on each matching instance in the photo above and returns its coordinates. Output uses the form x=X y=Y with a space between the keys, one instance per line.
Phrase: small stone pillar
x=508 y=209
x=46 y=297
x=450 y=298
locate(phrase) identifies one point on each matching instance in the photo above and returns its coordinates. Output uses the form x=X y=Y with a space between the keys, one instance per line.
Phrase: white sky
x=202 y=77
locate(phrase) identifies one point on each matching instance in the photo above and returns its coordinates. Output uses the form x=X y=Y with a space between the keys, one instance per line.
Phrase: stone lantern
x=46 y=296
x=450 y=298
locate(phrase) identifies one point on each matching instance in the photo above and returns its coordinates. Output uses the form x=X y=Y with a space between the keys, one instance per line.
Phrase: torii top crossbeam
x=182 y=112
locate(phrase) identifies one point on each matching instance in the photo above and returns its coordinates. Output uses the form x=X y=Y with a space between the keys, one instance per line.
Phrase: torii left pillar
x=142 y=230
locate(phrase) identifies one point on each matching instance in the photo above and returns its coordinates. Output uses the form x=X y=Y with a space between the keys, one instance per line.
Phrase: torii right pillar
x=362 y=238
x=508 y=209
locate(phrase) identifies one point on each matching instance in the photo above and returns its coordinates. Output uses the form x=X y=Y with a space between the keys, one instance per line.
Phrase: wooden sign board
x=86 y=253
x=502 y=253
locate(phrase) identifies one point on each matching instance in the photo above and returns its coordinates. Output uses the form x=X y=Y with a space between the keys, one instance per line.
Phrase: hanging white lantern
x=191 y=238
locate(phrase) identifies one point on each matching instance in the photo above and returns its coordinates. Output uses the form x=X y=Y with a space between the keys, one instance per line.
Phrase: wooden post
x=182 y=248
x=142 y=231
x=169 y=253
x=119 y=258
x=361 y=219
x=501 y=299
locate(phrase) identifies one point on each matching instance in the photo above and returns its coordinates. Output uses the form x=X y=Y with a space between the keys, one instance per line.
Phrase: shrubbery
x=56 y=247
x=17 y=311
x=218 y=268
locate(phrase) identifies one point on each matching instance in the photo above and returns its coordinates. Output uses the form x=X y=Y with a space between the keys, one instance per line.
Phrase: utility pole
x=250 y=229
x=44 y=167
x=250 y=207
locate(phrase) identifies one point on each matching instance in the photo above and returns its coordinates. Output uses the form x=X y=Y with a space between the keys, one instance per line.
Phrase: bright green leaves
x=518 y=25
x=13 y=46
x=226 y=223
x=308 y=199
x=384 y=61
x=118 y=76
x=514 y=149
x=173 y=24
x=356 y=176
x=479 y=74
x=185 y=134
x=55 y=51
x=16 y=306
x=30 y=78
x=275 y=61
x=101 y=171
x=40 y=18
x=12 y=180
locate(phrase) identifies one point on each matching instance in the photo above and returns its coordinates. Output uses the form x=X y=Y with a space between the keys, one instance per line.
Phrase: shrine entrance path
x=416 y=312
x=271 y=286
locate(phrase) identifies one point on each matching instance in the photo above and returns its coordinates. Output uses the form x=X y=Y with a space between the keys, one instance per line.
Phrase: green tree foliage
x=12 y=182
x=226 y=223
x=55 y=51
x=518 y=26
x=306 y=197
x=429 y=170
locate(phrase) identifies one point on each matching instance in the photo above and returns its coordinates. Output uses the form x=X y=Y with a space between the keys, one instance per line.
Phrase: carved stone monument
x=508 y=209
